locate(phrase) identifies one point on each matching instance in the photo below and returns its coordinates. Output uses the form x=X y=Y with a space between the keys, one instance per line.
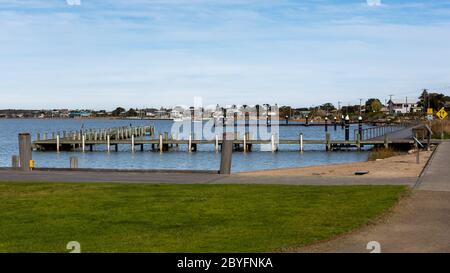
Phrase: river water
x=204 y=159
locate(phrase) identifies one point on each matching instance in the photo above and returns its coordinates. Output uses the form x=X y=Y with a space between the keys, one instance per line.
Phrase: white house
x=402 y=107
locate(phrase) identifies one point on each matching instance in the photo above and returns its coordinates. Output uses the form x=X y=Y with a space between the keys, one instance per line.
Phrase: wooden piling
x=73 y=162
x=15 y=162
x=226 y=156
x=328 y=141
x=301 y=142
x=25 y=151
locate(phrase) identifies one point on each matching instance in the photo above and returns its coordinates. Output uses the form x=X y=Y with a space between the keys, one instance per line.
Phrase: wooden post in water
x=190 y=143
x=386 y=141
x=326 y=124
x=226 y=156
x=301 y=142
x=335 y=123
x=160 y=143
x=108 y=143
x=15 y=162
x=328 y=140
x=245 y=142
x=217 y=143
x=132 y=143
x=25 y=151
x=57 y=143
x=74 y=162
x=274 y=148
x=83 y=142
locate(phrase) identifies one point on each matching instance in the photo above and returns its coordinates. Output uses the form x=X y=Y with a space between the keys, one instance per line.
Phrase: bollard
x=25 y=151
x=15 y=162
x=226 y=155
x=342 y=122
x=73 y=162
x=326 y=124
x=307 y=120
x=335 y=123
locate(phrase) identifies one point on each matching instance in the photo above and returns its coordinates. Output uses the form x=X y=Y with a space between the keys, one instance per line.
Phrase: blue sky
x=137 y=53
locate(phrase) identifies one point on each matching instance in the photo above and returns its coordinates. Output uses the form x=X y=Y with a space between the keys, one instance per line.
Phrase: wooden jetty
x=140 y=136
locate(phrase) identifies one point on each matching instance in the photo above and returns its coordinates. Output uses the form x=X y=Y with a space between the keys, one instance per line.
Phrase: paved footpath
x=190 y=178
x=420 y=223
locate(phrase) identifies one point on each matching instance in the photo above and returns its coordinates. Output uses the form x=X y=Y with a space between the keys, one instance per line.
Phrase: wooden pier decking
x=141 y=136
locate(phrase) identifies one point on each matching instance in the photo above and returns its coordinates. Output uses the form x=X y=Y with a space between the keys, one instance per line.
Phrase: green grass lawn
x=38 y=217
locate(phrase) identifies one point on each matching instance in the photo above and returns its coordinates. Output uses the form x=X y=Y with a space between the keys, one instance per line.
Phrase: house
x=79 y=114
x=402 y=107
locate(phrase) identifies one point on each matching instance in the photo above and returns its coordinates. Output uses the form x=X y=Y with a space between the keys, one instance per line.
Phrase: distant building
x=79 y=114
x=402 y=107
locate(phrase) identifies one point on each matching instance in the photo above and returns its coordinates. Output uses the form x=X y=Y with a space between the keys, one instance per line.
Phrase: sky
x=97 y=54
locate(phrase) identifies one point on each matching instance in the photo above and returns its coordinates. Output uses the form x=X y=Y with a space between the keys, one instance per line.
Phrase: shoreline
x=396 y=166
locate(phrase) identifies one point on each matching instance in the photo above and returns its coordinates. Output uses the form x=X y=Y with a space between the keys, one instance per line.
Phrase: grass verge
x=43 y=217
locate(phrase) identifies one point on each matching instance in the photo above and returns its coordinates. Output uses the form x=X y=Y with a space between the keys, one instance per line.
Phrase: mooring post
x=132 y=143
x=74 y=162
x=160 y=143
x=190 y=143
x=307 y=120
x=358 y=141
x=274 y=148
x=360 y=127
x=328 y=141
x=342 y=122
x=301 y=142
x=57 y=143
x=326 y=124
x=217 y=143
x=245 y=142
x=25 y=151
x=38 y=136
x=83 y=142
x=226 y=155
x=15 y=162
x=108 y=143
x=347 y=128
x=287 y=120
x=335 y=123
x=386 y=141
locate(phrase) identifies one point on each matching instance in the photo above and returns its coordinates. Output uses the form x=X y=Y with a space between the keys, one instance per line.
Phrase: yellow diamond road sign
x=442 y=114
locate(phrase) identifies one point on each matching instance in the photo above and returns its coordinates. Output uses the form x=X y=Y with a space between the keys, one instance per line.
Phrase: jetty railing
x=137 y=136
x=378 y=131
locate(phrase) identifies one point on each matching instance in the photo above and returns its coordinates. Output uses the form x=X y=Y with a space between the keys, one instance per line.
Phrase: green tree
x=118 y=112
x=373 y=105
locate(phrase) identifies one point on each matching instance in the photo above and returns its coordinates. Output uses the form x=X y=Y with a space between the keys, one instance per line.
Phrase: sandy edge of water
x=397 y=166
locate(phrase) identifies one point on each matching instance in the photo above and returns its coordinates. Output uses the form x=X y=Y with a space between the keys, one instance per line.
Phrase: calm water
x=204 y=159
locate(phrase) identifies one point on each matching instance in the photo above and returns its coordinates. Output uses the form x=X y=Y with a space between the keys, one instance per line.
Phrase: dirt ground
x=397 y=166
